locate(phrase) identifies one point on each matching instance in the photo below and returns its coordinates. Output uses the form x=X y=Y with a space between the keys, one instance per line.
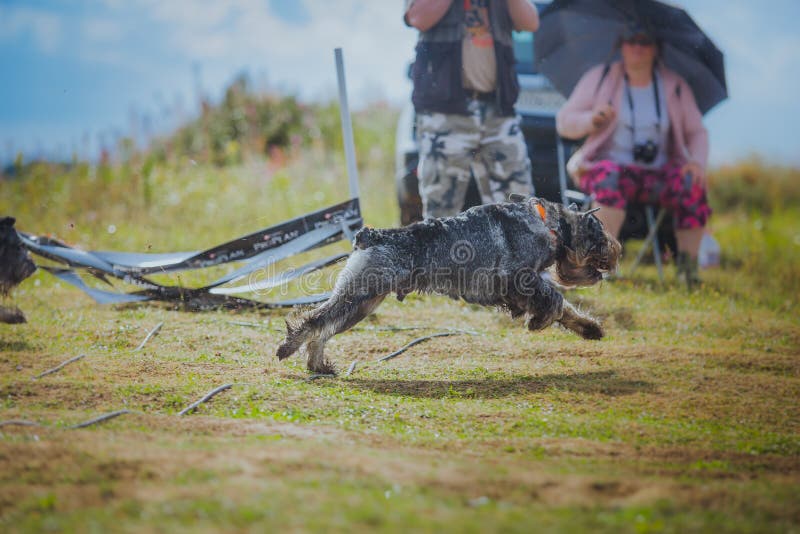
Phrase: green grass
x=684 y=418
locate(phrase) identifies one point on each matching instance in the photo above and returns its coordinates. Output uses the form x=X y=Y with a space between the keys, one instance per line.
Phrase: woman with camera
x=645 y=142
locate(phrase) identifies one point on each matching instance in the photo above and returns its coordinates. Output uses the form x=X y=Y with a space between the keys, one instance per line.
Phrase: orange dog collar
x=542 y=212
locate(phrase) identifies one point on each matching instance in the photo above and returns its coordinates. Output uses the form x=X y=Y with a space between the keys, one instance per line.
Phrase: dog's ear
x=591 y=221
x=516 y=197
x=592 y=226
x=7 y=221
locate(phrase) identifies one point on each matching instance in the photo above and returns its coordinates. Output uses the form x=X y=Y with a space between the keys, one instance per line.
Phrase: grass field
x=684 y=418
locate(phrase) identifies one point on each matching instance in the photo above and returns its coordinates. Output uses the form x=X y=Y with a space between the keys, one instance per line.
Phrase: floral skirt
x=614 y=185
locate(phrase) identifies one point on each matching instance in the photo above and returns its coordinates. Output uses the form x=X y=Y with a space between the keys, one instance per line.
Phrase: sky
x=79 y=73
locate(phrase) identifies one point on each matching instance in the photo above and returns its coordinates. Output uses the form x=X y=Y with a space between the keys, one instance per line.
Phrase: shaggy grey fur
x=492 y=255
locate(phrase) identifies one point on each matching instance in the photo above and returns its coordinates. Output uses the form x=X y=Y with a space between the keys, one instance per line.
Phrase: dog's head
x=585 y=250
x=15 y=262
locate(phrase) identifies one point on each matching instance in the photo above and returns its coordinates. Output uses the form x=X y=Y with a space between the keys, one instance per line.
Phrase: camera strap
x=656 y=96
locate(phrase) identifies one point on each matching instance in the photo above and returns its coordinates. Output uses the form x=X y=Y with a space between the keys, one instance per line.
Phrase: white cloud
x=759 y=63
x=227 y=36
x=156 y=42
x=45 y=28
x=760 y=45
x=102 y=30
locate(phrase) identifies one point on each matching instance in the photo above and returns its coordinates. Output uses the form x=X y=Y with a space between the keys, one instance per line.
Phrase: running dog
x=492 y=255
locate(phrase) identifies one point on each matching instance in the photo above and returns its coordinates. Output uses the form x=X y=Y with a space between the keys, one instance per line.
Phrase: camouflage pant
x=454 y=148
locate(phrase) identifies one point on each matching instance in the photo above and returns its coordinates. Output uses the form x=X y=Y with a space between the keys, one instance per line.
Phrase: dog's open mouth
x=603 y=267
x=596 y=274
x=605 y=256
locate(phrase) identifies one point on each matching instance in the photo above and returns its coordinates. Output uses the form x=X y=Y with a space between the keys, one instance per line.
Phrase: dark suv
x=537 y=105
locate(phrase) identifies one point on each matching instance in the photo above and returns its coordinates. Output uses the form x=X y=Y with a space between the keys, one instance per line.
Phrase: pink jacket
x=688 y=136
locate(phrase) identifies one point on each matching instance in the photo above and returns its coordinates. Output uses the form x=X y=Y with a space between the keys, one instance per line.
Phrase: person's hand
x=698 y=176
x=602 y=116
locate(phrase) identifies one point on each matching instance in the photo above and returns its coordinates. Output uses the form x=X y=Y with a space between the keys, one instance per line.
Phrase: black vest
x=437 y=74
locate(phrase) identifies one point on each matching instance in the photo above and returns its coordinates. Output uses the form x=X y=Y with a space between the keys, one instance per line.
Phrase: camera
x=645 y=152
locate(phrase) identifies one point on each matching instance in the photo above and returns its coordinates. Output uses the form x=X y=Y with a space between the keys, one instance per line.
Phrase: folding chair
x=653 y=226
x=568 y=196
x=651 y=240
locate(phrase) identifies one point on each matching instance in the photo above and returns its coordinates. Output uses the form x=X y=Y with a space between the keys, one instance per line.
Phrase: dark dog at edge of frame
x=15 y=266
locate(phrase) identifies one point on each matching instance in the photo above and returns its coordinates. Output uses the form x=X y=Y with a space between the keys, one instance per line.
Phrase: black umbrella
x=575 y=35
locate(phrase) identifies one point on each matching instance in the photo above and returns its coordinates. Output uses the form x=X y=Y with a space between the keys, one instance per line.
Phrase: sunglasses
x=641 y=40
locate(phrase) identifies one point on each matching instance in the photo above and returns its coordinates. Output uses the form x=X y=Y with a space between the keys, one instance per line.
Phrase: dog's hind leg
x=314 y=327
x=583 y=325
x=361 y=287
x=319 y=323
x=340 y=316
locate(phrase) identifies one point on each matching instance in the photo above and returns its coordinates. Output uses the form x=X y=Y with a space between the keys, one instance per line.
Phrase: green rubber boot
x=687 y=270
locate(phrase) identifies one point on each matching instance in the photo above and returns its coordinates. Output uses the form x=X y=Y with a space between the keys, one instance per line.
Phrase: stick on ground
x=59 y=366
x=152 y=333
x=207 y=396
x=389 y=328
x=100 y=419
x=404 y=348
x=252 y=325
x=19 y=422
x=398 y=352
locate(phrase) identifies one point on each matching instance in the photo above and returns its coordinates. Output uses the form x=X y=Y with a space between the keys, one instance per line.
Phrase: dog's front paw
x=594 y=331
x=12 y=315
x=538 y=322
x=588 y=329
x=584 y=325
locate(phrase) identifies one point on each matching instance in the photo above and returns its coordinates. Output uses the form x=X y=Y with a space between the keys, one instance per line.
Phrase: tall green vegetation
x=256 y=159
x=755 y=186
x=249 y=162
x=757 y=221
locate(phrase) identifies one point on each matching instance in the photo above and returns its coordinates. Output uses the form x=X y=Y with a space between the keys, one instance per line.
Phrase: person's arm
x=524 y=15
x=424 y=14
x=696 y=136
x=574 y=119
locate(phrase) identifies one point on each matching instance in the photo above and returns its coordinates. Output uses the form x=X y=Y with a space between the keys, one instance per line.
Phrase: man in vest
x=465 y=88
